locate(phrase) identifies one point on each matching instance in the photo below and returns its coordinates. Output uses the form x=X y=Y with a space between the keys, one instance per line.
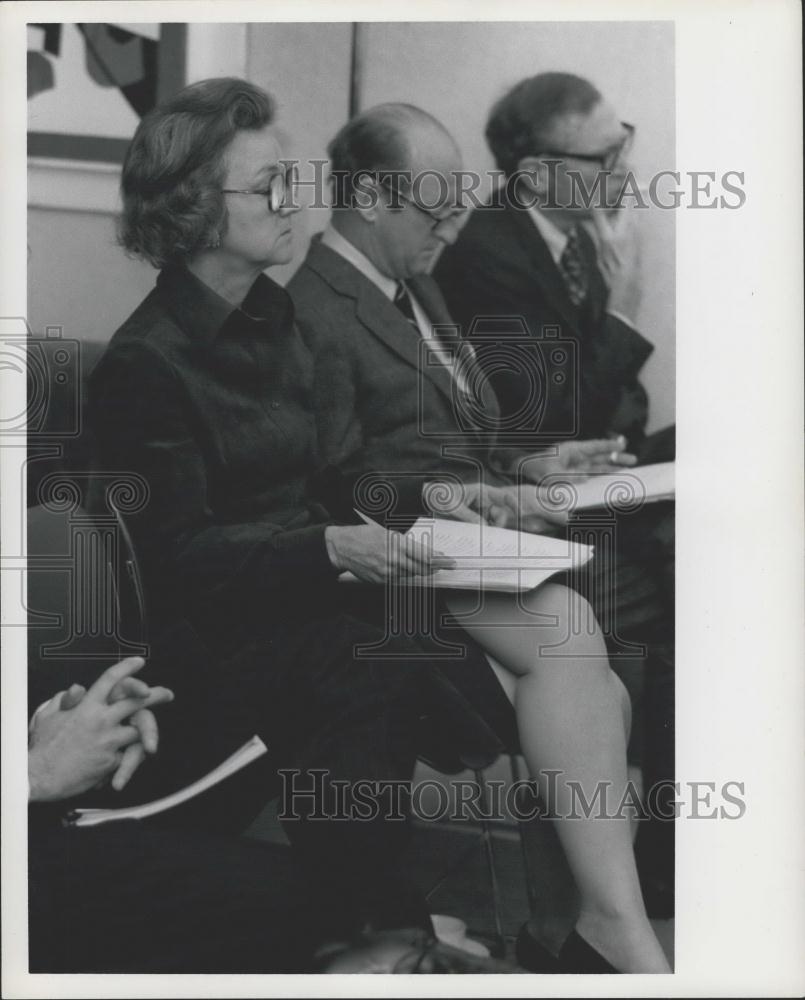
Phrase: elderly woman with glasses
x=205 y=391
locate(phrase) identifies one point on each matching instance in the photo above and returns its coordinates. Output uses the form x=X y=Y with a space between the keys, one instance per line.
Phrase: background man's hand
x=619 y=260
x=529 y=510
x=473 y=502
x=79 y=738
x=522 y=508
x=579 y=457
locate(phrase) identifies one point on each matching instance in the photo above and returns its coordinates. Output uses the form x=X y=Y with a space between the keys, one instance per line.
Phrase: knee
x=565 y=606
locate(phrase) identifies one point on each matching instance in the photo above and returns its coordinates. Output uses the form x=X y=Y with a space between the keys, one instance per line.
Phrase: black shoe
x=581 y=958
x=533 y=956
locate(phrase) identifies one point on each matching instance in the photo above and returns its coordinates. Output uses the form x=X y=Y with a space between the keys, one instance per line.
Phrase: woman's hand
x=376 y=555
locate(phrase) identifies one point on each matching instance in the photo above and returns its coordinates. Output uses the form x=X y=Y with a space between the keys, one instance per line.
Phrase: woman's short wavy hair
x=174 y=168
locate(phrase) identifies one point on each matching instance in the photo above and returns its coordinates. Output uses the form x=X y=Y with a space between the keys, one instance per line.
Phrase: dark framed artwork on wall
x=89 y=84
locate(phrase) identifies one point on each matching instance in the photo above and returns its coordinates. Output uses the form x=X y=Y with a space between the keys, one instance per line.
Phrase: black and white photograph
x=359 y=610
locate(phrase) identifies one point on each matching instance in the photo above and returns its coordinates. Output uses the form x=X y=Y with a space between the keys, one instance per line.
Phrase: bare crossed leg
x=573 y=718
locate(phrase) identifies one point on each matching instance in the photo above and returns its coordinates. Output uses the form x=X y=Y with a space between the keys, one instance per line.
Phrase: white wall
x=78 y=278
x=306 y=67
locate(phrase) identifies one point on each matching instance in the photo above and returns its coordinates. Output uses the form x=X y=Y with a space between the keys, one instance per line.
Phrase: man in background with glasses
x=529 y=254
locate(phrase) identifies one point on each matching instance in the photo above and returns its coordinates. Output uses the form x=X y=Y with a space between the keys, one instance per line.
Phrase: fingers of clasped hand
x=81 y=737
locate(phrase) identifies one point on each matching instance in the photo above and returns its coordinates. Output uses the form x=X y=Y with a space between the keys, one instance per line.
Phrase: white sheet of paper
x=644 y=483
x=244 y=755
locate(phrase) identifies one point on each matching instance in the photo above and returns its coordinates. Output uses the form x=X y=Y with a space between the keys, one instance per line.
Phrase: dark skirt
x=420 y=617
x=467 y=721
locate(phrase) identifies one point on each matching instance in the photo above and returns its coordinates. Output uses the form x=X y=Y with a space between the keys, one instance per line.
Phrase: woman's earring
x=214 y=241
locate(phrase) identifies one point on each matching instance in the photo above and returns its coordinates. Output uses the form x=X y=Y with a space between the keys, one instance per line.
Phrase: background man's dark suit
x=501 y=266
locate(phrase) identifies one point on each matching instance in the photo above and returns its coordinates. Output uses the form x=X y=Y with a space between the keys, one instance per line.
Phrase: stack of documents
x=492 y=558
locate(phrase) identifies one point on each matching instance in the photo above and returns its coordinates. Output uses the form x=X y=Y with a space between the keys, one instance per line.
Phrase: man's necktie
x=574 y=269
x=402 y=300
x=460 y=372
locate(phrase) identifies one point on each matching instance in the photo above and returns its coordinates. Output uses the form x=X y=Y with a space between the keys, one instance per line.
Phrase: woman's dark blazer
x=212 y=407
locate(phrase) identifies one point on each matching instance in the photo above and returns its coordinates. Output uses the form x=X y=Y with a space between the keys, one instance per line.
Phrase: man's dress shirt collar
x=555 y=239
x=339 y=244
x=388 y=286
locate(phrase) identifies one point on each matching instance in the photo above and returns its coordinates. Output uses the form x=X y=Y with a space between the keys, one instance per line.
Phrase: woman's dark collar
x=203 y=314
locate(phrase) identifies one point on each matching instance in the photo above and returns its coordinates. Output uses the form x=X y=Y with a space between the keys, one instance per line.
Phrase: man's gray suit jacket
x=384 y=401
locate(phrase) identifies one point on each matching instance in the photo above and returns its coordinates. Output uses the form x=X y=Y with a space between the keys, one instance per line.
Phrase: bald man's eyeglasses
x=435 y=221
x=607 y=160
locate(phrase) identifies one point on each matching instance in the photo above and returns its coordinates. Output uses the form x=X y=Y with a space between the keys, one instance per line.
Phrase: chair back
x=129 y=584
x=83 y=593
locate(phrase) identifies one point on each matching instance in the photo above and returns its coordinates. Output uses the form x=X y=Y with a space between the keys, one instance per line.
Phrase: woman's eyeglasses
x=279 y=187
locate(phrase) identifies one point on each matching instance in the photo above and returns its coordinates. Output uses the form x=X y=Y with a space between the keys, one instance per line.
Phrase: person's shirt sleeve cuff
x=44 y=704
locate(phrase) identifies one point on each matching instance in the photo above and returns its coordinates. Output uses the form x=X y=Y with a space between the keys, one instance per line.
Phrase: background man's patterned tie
x=574 y=269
